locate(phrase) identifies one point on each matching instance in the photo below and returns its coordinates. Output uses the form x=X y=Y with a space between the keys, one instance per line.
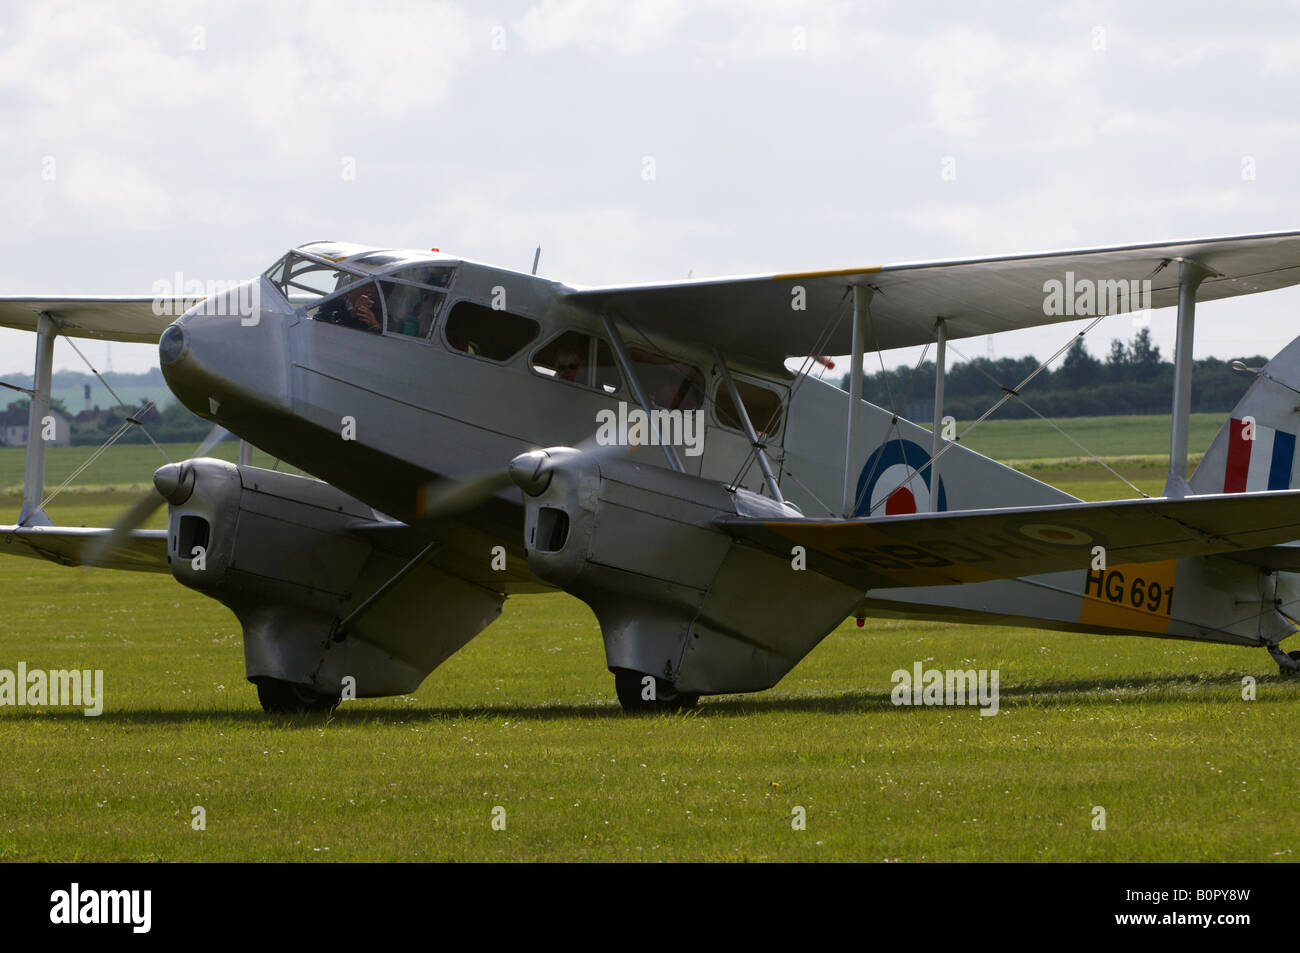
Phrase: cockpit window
x=361 y=307
x=411 y=308
x=302 y=280
x=404 y=303
x=437 y=276
x=334 y=251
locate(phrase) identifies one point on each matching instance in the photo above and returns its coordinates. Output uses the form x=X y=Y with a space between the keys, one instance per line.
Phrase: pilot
x=362 y=305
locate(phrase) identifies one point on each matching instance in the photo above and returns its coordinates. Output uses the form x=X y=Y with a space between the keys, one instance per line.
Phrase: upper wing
x=144 y=551
x=753 y=316
x=135 y=320
x=935 y=549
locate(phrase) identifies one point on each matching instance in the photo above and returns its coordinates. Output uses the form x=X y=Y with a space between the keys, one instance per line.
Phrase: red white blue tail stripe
x=1263 y=463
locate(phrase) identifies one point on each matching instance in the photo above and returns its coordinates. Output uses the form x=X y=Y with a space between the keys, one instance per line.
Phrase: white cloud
x=770 y=156
x=599 y=25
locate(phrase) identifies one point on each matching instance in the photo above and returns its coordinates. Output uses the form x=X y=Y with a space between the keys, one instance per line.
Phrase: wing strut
x=861 y=301
x=759 y=452
x=31 y=513
x=940 y=369
x=634 y=383
x=1190 y=275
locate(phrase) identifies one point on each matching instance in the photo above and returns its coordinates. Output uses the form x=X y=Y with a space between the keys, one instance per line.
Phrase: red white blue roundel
x=891 y=484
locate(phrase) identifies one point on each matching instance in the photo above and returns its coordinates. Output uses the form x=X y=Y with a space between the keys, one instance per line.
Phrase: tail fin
x=1256 y=448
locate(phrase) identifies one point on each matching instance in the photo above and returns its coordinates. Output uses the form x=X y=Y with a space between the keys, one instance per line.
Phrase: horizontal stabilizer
x=145 y=550
x=934 y=549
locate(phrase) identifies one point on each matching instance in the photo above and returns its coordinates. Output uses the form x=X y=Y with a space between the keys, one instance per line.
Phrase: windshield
x=304 y=280
x=404 y=302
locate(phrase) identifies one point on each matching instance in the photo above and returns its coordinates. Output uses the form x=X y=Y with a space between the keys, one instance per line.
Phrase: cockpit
x=377 y=291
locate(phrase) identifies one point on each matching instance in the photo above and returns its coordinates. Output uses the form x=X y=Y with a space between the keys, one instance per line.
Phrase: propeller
x=173 y=483
x=530 y=471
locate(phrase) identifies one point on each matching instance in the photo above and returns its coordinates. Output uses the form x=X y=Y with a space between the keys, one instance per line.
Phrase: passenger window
x=359 y=308
x=668 y=384
x=581 y=359
x=485 y=332
x=411 y=310
x=763 y=406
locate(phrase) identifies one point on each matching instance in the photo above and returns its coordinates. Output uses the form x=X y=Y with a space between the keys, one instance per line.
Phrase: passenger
x=568 y=363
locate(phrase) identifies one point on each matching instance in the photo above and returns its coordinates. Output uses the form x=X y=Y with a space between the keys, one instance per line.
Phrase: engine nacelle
x=677 y=597
x=283 y=553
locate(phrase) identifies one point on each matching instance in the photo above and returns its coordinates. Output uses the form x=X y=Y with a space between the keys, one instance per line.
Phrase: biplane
x=467 y=432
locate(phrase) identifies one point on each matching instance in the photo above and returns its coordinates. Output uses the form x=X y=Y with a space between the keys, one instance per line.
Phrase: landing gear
x=1288 y=663
x=633 y=689
x=288 y=698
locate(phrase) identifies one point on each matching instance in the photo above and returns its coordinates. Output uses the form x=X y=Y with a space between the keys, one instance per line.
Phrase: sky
x=641 y=141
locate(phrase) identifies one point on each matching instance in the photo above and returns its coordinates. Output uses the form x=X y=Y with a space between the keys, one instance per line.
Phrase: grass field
x=121 y=466
x=524 y=718
x=1105 y=436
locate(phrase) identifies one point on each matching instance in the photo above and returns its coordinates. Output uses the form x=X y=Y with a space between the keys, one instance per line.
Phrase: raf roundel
x=892 y=482
x=1057 y=533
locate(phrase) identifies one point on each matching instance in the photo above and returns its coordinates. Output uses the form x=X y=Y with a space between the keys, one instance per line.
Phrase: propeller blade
x=215 y=436
x=443 y=498
x=529 y=471
x=138 y=513
x=135 y=516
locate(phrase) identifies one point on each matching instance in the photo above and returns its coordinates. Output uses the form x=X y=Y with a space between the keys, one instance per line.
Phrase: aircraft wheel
x=1294 y=655
x=630 y=687
x=279 y=697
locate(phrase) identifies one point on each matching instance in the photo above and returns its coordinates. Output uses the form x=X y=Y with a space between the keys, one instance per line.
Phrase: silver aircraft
x=474 y=432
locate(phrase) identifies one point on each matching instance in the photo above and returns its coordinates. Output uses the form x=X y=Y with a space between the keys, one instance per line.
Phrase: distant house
x=95 y=417
x=13 y=427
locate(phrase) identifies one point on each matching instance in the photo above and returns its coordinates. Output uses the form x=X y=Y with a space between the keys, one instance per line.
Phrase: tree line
x=173 y=423
x=1132 y=379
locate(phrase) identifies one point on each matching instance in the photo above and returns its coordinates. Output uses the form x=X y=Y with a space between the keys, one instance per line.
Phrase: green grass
x=1155 y=732
x=121 y=466
x=1105 y=436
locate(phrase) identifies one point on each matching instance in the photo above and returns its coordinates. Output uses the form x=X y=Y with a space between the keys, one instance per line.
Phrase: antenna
x=537 y=256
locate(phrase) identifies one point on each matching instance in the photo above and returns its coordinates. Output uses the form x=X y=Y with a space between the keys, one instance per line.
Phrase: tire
x=628 y=685
x=279 y=697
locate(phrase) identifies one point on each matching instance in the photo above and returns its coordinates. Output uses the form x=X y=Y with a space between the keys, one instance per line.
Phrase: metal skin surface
x=278 y=550
x=674 y=597
x=378 y=416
